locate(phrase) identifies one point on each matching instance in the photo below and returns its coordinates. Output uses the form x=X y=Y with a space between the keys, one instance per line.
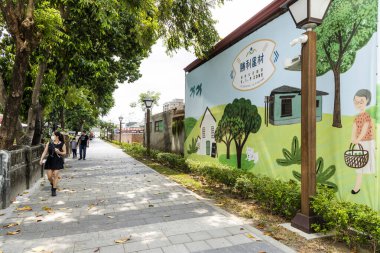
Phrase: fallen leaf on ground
x=25 y=192
x=241 y=228
x=123 y=240
x=2 y=214
x=219 y=204
x=91 y=206
x=41 y=249
x=47 y=209
x=25 y=208
x=14 y=232
x=39 y=220
x=151 y=205
x=166 y=215
x=260 y=226
x=111 y=217
x=10 y=225
x=97 y=250
x=267 y=233
x=253 y=237
x=38 y=215
x=262 y=252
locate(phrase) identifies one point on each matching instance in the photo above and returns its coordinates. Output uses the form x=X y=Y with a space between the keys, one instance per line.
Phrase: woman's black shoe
x=54 y=192
x=354 y=192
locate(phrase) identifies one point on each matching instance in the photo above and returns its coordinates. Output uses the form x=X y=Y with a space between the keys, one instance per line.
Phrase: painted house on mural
x=239 y=113
x=285 y=105
x=207 y=138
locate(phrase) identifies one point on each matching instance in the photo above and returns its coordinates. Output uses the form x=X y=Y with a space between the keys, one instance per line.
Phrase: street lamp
x=148 y=104
x=121 y=120
x=308 y=14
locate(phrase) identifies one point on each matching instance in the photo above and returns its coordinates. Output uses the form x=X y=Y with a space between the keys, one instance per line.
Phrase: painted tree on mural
x=348 y=26
x=226 y=130
x=242 y=111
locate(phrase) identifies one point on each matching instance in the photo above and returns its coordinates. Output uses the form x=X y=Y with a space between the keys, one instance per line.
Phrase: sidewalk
x=111 y=197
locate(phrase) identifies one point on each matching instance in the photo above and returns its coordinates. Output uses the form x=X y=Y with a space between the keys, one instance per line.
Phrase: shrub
x=173 y=160
x=353 y=223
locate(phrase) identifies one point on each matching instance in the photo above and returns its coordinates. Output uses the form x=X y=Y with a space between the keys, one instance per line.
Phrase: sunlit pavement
x=113 y=203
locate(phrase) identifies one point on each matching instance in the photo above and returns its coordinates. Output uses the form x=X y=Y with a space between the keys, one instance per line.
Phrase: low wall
x=19 y=170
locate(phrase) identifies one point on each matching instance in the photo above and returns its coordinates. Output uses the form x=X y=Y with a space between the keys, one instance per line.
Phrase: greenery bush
x=352 y=223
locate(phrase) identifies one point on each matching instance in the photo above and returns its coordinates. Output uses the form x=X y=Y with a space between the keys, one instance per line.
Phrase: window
x=286 y=107
x=212 y=132
x=159 y=126
x=208 y=148
x=317 y=104
x=203 y=132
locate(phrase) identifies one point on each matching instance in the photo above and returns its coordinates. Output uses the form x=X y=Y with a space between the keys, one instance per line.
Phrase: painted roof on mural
x=203 y=117
x=270 y=12
x=289 y=89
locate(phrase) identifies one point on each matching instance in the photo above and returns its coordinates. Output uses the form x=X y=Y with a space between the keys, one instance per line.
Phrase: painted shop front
x=243 y=104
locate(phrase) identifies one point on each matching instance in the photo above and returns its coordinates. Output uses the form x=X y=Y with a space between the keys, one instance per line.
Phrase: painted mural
x=243 y=107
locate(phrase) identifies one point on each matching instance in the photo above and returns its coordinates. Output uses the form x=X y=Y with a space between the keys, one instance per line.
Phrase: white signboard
x=254 y=65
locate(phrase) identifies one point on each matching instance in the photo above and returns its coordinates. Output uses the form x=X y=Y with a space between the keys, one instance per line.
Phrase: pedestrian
x=83 y=143
x=55 y=150
x=74 y=147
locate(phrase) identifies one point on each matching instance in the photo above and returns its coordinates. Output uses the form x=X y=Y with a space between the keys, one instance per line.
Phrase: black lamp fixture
x=308 y=14
x=148 y=102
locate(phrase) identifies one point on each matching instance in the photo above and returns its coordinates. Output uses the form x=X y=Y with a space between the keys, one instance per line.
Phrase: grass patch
x=232 y=162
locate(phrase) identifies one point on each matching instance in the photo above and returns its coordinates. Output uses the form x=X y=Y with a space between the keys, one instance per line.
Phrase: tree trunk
x=34 y=107
x=62 y=117
x=337 y=122
x=37 y=135
x=239 y=151
x=228 y=145
x=13 y=102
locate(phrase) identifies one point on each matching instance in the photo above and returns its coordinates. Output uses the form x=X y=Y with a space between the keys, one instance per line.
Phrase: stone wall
x=130 y=137
x=19 y=170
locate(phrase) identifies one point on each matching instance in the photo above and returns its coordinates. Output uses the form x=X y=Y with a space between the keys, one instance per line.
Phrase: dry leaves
x=39 y=220
x=14 y=232
x=10 y=225
x=96 y=250
x=48 y=209
x=123 y=240
x=25 y=208
x=41 y=249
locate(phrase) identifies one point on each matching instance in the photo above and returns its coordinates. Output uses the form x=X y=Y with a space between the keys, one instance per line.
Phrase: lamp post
x=148 y=104
x=308 y=14
x=120 y=120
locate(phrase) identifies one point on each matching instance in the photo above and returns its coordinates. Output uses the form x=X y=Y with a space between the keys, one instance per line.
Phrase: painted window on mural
x=286 y=107
x=159 y=126
x=212 y=132
x=208 y=148
x=203 y=132
x=317 y=104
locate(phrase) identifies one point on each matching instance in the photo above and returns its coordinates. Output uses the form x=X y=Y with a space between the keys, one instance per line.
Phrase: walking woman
x=55 y=150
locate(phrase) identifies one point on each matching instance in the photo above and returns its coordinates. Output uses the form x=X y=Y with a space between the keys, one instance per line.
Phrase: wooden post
x=148 y=131
x=305 y=218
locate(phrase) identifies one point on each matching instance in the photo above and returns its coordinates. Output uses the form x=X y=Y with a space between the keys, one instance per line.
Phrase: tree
x=149 y=94
x=348 y=26
x=226 y=130
x=242 y=111
x=104 y=43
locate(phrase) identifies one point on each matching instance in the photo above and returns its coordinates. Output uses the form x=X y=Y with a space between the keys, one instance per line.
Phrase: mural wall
x=243 y=107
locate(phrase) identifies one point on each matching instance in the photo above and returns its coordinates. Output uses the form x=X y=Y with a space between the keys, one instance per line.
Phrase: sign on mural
x=254 y=65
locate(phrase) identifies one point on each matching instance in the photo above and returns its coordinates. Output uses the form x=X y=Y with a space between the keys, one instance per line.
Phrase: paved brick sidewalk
x=111 y=196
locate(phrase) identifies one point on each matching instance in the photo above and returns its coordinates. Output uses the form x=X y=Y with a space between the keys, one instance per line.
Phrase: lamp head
x=308 y=14
x=148 y=102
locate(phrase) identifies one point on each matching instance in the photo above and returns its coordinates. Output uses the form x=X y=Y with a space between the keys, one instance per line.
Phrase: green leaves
x=192 y=147
x=322 y=175
x=291 y=157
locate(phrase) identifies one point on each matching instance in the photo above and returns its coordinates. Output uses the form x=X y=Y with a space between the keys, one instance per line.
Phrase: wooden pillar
x=305 y=218
x=148 y=131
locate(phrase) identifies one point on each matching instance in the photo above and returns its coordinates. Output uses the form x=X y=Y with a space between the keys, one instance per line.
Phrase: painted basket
x=356 y=158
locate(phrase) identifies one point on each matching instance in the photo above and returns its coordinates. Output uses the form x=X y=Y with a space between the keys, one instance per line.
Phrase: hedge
x=352 y=223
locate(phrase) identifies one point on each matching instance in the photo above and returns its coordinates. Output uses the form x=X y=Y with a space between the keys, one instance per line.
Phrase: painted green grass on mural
x=189 y=125
x=245 y=164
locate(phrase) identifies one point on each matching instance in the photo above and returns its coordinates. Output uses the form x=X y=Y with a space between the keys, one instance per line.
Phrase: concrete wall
x=19 y=170
x=129 y=137
x=165 y=140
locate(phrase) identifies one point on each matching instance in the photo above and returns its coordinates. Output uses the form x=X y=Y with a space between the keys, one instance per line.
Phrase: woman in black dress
x=55 y=150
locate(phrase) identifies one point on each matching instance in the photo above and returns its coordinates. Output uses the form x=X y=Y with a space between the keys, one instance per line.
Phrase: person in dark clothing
x=83 y=143
x=55 y=150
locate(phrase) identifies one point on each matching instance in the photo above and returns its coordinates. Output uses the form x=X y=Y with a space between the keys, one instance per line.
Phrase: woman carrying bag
x=55 y=150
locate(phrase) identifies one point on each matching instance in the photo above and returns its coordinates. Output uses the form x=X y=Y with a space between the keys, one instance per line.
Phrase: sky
x=165 y=74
